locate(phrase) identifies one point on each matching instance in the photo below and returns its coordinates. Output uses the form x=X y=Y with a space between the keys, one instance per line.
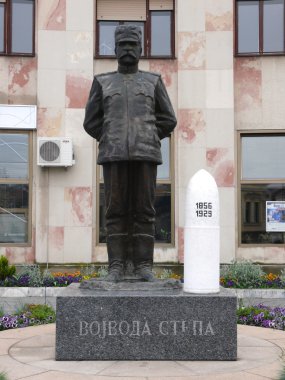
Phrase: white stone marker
x=202 y=235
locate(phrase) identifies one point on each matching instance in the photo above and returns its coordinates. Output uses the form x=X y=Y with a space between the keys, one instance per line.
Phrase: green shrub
x=282 y=275
x=88 y=270
x=103 y=271
x=165 y=274
x=282 y=375
x=47 y=275
x=5 y=269
x=3 y=376
x=244 y=273
x=33 y=271
x=39 y=312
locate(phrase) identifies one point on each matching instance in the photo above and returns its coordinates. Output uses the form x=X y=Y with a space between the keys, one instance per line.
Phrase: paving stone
x=45 y=340
x=272 y=370
x=147 y=368
x=31 y=354
x=16 y=370
x=5 y=344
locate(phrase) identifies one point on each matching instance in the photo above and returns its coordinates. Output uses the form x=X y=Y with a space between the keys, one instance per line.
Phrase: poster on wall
x=18 y=116
x=275 y=216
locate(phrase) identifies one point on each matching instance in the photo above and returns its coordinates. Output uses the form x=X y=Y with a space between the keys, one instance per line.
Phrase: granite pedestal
x=126 y=324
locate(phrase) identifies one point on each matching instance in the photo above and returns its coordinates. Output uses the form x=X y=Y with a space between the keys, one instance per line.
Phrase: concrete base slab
x=251 y=364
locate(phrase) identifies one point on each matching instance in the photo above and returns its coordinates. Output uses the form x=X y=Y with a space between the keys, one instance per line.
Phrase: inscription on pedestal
x=141 y=328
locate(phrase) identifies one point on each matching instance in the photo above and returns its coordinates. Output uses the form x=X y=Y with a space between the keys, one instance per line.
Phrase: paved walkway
x=29 y=354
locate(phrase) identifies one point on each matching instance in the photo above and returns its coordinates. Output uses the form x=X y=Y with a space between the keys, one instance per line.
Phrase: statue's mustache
x=128 y=53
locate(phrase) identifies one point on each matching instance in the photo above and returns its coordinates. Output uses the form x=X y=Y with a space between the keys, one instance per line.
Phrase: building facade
x=223 y=63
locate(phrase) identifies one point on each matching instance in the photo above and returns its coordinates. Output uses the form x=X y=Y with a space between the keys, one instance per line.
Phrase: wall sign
x=18 y=116
x=275 y=216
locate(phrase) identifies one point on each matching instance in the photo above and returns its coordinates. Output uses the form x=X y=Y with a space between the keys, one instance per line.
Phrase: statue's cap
x=128 y=33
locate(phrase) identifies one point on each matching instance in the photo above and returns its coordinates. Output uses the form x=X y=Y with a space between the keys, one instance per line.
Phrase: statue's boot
x=117 y=247
x=143 y=246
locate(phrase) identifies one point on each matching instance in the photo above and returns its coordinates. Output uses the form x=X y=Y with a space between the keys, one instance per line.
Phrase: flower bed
x=238 y=275
x=262 y=316
x=34 y=278
x=268 y=281
x=30 y=315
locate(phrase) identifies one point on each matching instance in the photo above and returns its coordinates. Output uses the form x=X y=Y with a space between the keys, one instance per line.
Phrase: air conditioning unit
x=55 y=151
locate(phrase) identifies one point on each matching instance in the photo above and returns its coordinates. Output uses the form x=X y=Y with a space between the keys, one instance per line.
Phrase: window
x=15 y=176
x=17 y=24
x=164 y=224
x=154 y=17
x=262 y=182
x=260 y=27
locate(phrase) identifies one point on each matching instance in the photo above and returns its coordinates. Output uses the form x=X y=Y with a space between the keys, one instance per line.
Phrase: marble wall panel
x=248 y=93
x=50 y=122
x=219 y=89
x=256 y=254
x=4 y=76
x=52 y=14
x=22 y=80
x=192 y=50
x=74 y=118
x=78 y=87
x=228 y=212
x=192 y=127
x=77 y=244
x=219 y=15
x=52 y=49
x=107 y=65
x=191 y=15
x=54 y=81
x=219 y=50
x=56 y=204
x=99 y=254
x=274 y=255
x=55 y=244
x=273 y=92
x=227 y=244
x=41 y=243
x=220 y=128
x=79 y=50
x=164 y=254
x=166 y=68
x=220 y=164
x=248 y=83
x=21 y=255
x=192 y=89
x=79 y=17
x=78 y=206
x=79 y=175
x=168 y=71
x=190 y=160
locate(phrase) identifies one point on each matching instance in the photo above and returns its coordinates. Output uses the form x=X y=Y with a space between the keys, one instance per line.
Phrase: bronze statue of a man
x=129 y=112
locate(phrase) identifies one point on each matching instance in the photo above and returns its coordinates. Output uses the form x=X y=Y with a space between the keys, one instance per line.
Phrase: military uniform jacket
x=129 y=114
